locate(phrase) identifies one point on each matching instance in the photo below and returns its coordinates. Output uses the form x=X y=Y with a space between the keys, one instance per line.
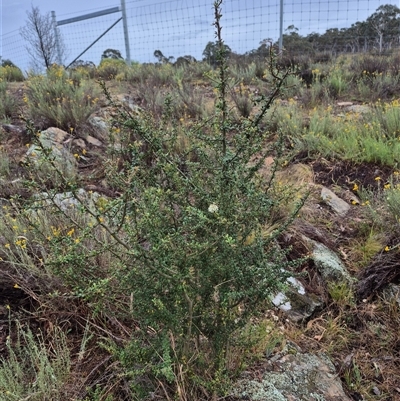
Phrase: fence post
x=57 y=38
x=281 y=27
x=126 y=36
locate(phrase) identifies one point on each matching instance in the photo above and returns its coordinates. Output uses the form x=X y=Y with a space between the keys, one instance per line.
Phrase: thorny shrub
x=188 y=251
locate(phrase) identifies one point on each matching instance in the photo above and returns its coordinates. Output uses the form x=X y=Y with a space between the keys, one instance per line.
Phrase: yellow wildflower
x=56 y=231
x=21 y=242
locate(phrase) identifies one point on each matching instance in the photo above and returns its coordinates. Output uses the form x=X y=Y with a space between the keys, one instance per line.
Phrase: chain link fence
x=178 y=28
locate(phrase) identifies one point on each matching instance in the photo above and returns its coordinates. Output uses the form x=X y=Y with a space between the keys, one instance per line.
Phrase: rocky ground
x=337 y=326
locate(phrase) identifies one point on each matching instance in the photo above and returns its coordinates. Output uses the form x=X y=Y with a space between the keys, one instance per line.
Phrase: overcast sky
x=176 y=27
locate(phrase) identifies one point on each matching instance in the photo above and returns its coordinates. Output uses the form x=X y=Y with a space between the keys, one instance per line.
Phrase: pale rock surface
x=94 y=141
x=328 y=263
x=53 y=139
x=293 y=376
x=295 y=302
x=100 y=128
x=337 y=204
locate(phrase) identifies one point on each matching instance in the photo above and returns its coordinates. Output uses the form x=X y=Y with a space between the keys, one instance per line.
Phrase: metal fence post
x=126 y=36
x=57 y=38
x=281 y=27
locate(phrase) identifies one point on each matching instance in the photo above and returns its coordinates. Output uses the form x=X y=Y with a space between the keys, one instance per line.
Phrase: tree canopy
x=380 y=32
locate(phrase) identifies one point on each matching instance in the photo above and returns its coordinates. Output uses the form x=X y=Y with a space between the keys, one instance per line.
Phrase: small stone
x=376 y=390
x=93 y=141
x=337 y=204
x=80 y=143
x=359 y=108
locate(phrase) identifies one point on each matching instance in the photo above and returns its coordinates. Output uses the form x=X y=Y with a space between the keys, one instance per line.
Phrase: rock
x=337 y=204
x=328 y=263
x=80 y=143
x=100 y=128
x=93 y=141
x=13 y=129
x=295 y=302
x=359 y=108
x=297 y=377
x=392 y=292
x=62 y=159
x=52 y=136
x=68 y=202
x=296 y=175
x=127 y=101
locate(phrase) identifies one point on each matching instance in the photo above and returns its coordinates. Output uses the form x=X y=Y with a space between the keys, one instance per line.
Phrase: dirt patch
x=346 y=174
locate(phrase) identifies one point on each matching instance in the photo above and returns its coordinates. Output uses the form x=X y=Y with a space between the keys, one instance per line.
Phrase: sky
x=176 y=27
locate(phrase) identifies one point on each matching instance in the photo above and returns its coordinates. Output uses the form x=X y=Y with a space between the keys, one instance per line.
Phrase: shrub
x=189 y=248
x=80 y=70
x=58 y=101
x=369 y=66
x=8 y=104
x=155 y=75
x=111 y=68
x=11 y=73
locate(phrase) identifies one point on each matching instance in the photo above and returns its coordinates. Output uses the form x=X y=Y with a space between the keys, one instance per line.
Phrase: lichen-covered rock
x=52 y=148
x=329 y=264
x=294 y=377
x=69 y=202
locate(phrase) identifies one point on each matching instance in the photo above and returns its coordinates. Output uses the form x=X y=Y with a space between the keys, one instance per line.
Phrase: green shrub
x=11 y=74
x=8 y=104
x=154 y=75
x=110 y=68
x=371 y=137
x=338 y=82
x=188 y=250
x=55 y=100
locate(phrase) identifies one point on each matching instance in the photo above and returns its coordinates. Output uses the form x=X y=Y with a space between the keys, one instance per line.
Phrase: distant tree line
x=379 y=32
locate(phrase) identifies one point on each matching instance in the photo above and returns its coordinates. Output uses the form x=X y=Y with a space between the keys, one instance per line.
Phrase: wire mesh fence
x=180 y=28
